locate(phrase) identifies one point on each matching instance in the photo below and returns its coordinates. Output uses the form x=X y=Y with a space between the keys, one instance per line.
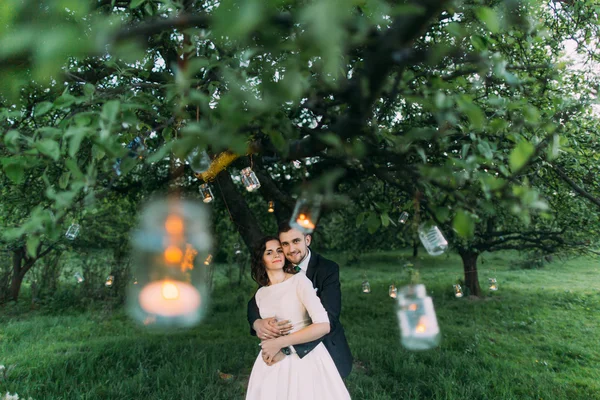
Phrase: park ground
x=536 y=338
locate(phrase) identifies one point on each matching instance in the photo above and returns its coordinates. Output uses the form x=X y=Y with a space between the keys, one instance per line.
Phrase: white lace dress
x=313 y=377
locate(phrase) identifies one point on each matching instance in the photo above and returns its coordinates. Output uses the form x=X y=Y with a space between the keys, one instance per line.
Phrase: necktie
x=297 y=269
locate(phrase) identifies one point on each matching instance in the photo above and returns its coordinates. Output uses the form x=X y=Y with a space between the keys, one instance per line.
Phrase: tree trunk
x=469 y=259
x=415 y=248
x=238 y=208
x=17 y=274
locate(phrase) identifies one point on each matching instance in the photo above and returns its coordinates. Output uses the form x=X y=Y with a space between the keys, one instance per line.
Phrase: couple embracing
x=295 y=312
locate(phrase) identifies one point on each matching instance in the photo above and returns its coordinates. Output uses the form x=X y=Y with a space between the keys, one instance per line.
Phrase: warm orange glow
x=304 y=221
x=420 y=328
x=412 y=307
x=174 y=225
x=169 y=291
x=170 y=298
x=173 y=254
x=393 y=295
x=188 y=261
x=208 y=260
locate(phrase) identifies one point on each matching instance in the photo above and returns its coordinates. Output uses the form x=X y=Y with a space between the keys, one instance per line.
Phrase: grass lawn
x=538 y=337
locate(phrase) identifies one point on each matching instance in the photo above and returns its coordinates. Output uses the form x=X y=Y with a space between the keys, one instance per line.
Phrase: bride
x=287 y=295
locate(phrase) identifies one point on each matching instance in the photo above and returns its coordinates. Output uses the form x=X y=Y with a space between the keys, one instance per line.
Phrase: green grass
x=536 y=338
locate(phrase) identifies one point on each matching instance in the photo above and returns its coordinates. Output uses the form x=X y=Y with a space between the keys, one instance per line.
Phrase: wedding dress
x=312 y=377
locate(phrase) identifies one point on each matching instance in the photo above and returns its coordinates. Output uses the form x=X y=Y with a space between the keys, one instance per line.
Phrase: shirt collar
x=304 y=263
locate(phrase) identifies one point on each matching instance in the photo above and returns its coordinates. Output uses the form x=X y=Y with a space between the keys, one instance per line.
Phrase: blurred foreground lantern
x=458 y=291
x=109 y=281
x=393 y=291
x=207 y=195
x=418 y=323
x=199 y=161
x=172 y=241
x=250 y=180
x=306 y=213
x=208 y=260
x=493 y=284
x=403 y=217
x=72 y=232
x=271 y=206
x=78 y=277
x=366 y=286
x=434 y=242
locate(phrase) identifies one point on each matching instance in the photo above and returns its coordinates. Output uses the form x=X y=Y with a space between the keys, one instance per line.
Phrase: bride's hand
x=270 y=348
x=278 y=357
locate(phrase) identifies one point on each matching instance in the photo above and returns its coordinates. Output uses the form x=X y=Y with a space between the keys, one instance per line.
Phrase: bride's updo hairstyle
x=258 y=270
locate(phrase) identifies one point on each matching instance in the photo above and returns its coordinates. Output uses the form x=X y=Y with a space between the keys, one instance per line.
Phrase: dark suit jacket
x=325 y=276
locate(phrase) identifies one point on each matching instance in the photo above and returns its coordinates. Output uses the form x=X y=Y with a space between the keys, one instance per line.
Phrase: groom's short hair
x=285 y=227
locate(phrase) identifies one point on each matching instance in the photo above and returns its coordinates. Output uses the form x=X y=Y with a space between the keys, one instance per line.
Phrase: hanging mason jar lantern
x=434 y=242
x=393 y=292
x=172 y=241
x=250 y=180
x=72 y=232
x=110 y=280
x=458 y=291
x=493 y=284
x=418 y=322
x=366 y=286
x=206 y=192
x=208 y=260
x=199 y=161
x=306 y=213
x=78 y=277
x=403 y=217
x=135 y=281
x=271 y=206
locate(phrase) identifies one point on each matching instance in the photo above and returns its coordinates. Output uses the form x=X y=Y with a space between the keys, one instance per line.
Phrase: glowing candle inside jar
x=169 y=298
x=413 y=307
x=173 y=254
x=305 y=222
x=422 y=325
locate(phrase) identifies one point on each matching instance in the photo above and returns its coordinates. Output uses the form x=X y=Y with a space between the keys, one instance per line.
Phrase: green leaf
x=11 y=139
x=32 y=245
x=76 y=134
x=63 y=181
x=385 y=219
x=373 y=223
x=464 y=224
x=489 y=17
x=15 y=172
x=74 y=168
x=520 y=155
x=360 y=218
x=331 y=139
x=110 y=110
x=49 y=148
x=42 y=108
x=473 y=112
x=136 y=3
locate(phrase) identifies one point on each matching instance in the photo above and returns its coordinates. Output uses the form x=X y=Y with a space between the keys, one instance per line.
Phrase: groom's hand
x=269 y=328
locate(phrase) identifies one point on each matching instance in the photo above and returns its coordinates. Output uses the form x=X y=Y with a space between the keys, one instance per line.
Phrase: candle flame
x=413 y=307
x=169 y=291
x=173 y=254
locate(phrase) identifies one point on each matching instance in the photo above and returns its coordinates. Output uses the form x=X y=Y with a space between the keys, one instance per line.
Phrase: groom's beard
x=297 y=258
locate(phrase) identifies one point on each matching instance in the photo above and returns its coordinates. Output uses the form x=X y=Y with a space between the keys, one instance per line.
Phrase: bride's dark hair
x=257 y=267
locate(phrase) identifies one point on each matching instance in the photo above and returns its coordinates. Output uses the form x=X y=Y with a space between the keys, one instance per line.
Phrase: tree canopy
x=465 y=113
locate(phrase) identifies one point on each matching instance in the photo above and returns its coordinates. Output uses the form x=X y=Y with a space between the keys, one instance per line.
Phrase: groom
x=325 y=276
